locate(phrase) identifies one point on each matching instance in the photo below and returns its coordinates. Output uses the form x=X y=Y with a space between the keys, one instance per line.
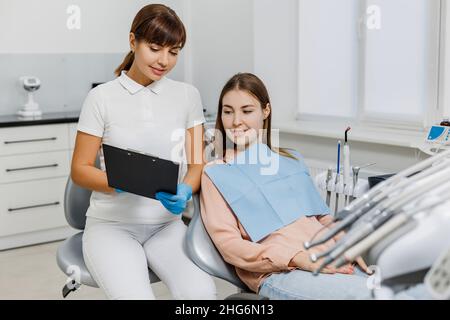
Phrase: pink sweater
x=254 y=261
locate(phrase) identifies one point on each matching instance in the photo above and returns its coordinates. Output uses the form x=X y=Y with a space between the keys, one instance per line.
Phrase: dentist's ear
x=267 y=111
x=132 y=42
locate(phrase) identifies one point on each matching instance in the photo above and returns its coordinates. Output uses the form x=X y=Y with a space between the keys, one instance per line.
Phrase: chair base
x=73 y=286
x=70 y=287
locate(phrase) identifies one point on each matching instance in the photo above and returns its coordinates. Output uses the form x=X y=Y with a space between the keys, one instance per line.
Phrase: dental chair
x=69 y=256
x=201 y=250
x=198 y=246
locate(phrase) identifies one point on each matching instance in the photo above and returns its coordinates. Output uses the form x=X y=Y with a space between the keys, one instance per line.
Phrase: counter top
x=46 y=118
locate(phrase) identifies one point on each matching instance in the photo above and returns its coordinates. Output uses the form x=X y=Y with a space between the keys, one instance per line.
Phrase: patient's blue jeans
x=302 y=285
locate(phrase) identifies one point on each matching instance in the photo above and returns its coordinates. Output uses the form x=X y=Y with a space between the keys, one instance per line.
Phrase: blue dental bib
x=266 y=198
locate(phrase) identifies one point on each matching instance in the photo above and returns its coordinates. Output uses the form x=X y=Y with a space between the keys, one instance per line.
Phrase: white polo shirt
x=151 y=119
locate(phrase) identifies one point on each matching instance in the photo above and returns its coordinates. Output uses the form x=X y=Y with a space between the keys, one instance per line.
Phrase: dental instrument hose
x=354 y=236
x=369 y=200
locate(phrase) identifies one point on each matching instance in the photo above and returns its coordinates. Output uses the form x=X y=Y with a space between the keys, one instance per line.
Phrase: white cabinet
x=34 y=167
x=30 y=139
x=32 y=205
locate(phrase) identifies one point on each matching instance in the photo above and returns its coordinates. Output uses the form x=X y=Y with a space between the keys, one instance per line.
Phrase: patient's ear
x=266 y=111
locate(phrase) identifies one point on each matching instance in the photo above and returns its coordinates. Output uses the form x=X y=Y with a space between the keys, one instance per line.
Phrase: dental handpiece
x=341 y=225
x=338 y=250
x=329 y=177
x=346 y=223
x=379 y=188
x=355 y=177
x=395 y=223
x=355 y=181
x=380 y=194
x=371 y=211
x=381 y=216
x=346 y=172
x=396 y=201
x=389 y=201
x=336 y=182
x=336 y=187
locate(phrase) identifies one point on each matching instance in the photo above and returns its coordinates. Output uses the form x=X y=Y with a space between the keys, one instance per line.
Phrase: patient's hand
x=303 y=262
x=358 y=261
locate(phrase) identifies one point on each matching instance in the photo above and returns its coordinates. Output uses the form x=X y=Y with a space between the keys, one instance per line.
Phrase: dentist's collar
x=134 y=87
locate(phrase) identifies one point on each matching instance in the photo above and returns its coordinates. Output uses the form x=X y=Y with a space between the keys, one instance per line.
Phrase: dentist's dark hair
x=251 y=84
x=158 y=24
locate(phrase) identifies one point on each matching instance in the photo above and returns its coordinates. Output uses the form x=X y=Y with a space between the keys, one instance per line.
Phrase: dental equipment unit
x=408 y=210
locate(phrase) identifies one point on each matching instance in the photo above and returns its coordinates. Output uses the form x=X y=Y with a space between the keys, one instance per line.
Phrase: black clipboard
x=139 y=173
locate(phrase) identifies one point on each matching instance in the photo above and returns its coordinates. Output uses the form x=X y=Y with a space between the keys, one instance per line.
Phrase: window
x=374 y=61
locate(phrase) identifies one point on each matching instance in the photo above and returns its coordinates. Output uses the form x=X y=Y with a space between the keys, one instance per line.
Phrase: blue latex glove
x=119 y=191
x=176 y=203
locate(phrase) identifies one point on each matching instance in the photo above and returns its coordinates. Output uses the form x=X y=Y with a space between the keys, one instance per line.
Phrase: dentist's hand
x=176 y=203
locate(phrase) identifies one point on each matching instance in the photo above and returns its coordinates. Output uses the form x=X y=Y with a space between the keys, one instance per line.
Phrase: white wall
x=275 y=61
x=445 y=76
x=328 y=52
x=224 y=37
x=275 y=47
x=28 y=26
x=221 y=40
x=388 y=159
x=212 y=55
x=261 y=37
x=34 y=40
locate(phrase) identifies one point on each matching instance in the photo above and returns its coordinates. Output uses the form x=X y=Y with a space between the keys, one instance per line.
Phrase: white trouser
x=118 y=256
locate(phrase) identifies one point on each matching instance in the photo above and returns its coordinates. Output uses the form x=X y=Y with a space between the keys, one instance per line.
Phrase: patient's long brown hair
x=251 y=84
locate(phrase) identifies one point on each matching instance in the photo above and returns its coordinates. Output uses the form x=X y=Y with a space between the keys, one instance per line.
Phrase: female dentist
x=143 y=110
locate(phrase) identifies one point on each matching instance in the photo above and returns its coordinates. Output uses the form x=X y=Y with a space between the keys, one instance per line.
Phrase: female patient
x=273 y=264
x=259 y=219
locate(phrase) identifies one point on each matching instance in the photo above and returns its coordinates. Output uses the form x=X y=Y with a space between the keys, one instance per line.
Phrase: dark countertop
x=46 y=118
